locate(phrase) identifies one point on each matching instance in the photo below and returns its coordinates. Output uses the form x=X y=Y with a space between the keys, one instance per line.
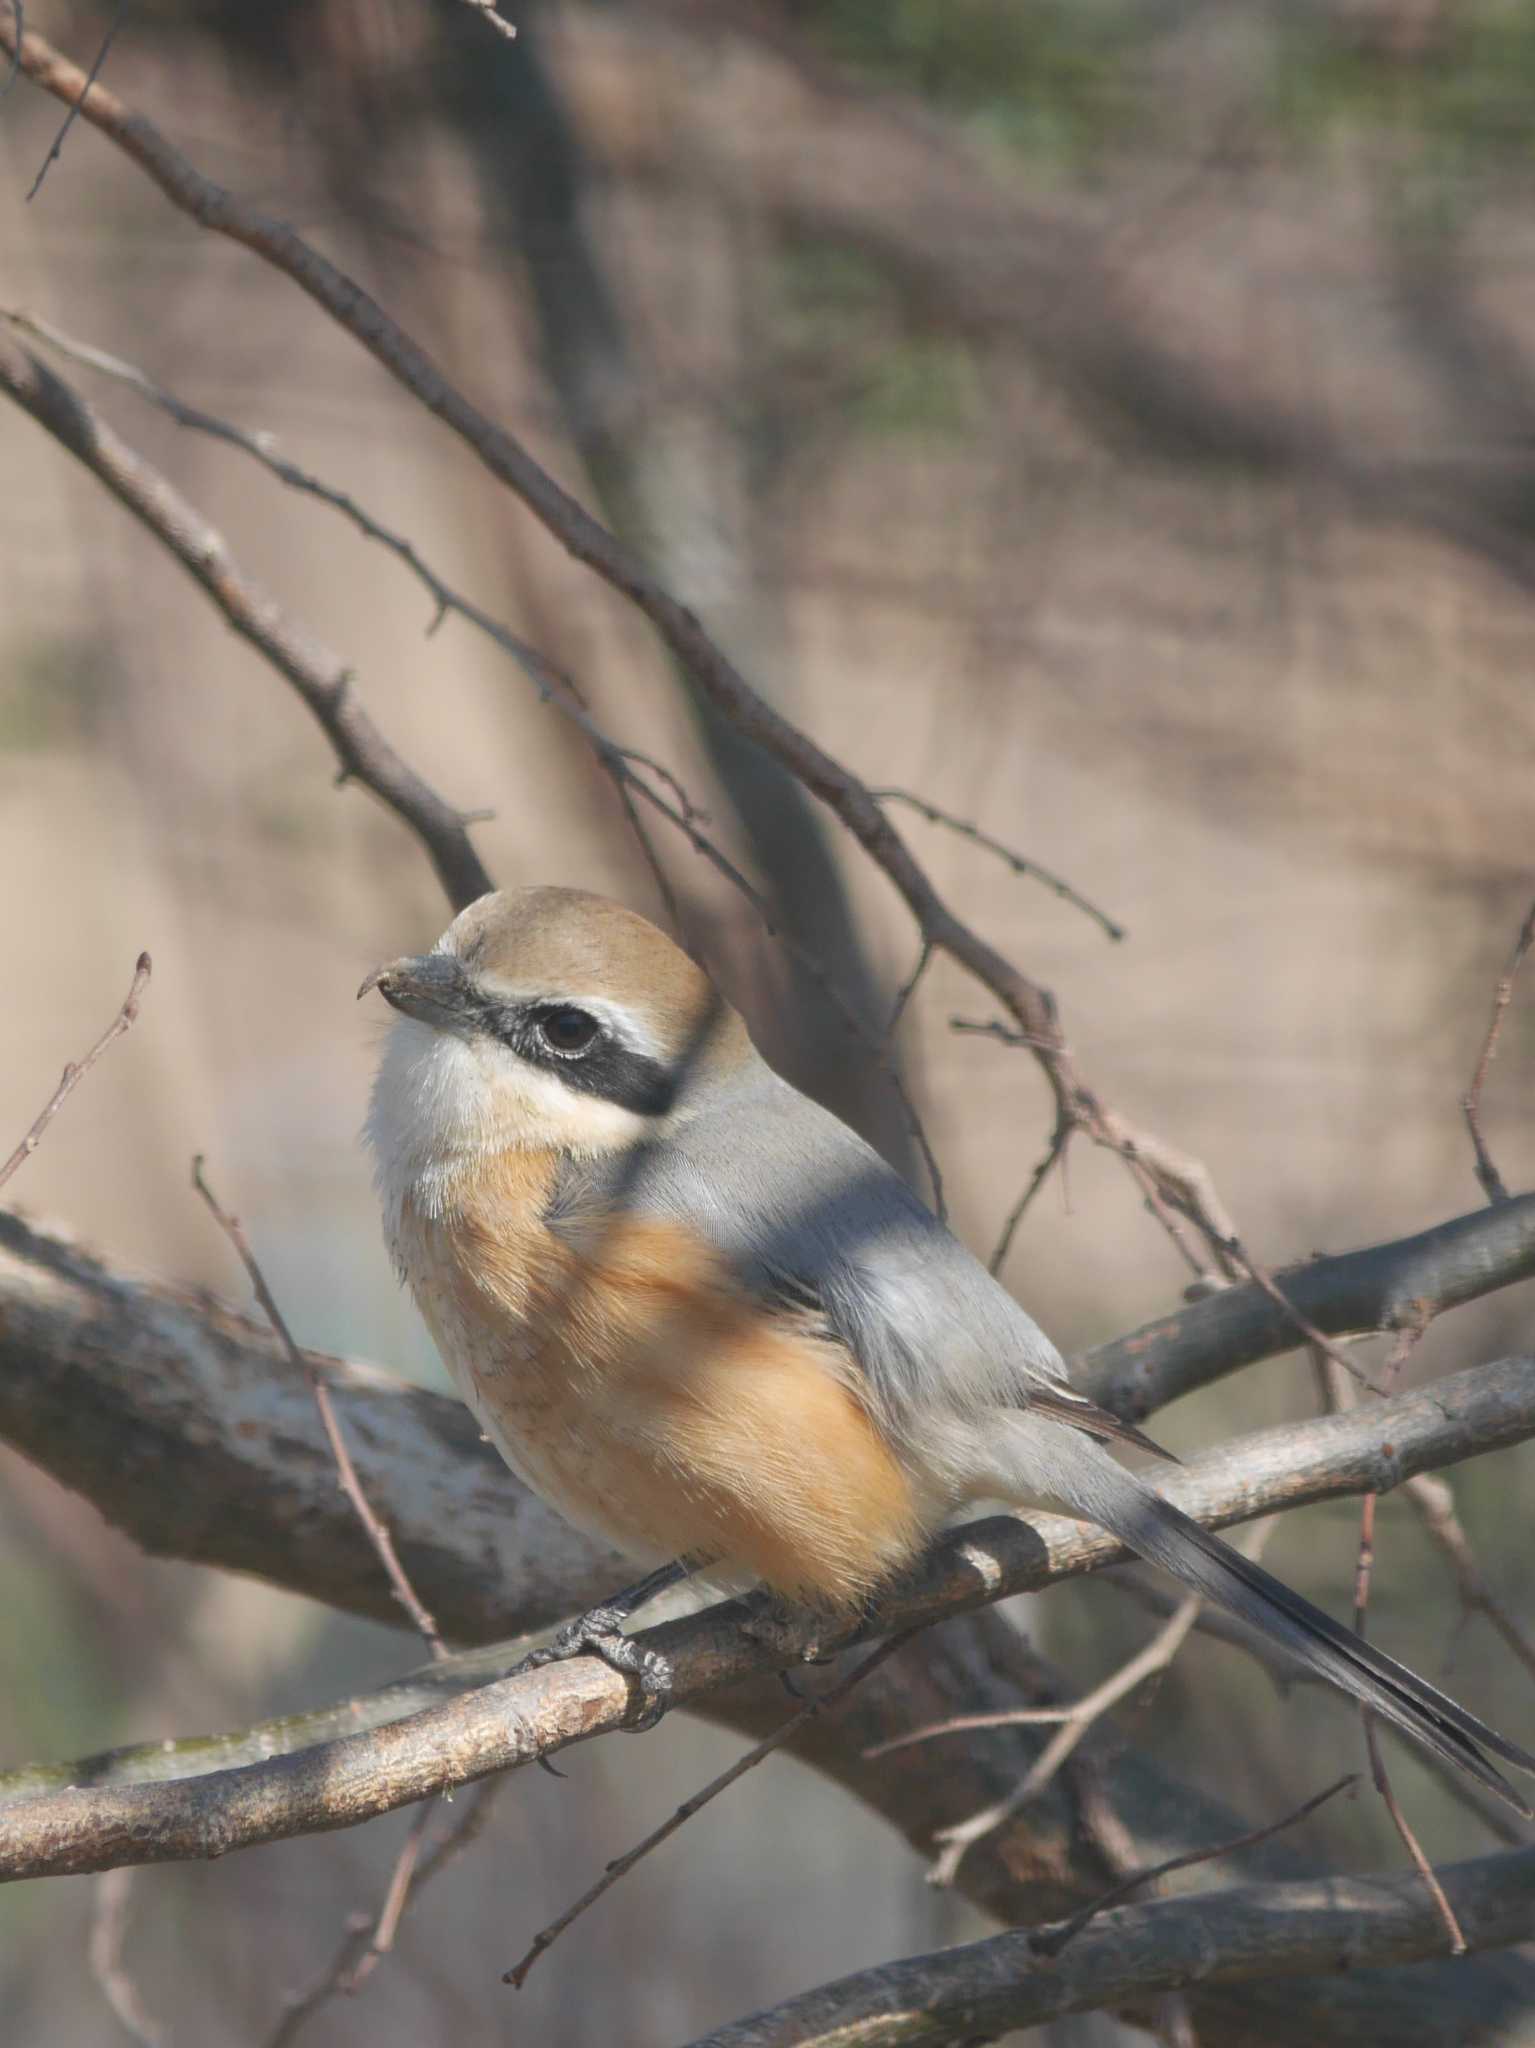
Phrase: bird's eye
x=566 y=1029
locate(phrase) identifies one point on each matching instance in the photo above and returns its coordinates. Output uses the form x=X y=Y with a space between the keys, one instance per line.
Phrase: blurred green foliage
x=54 y=694
x=1049 y=78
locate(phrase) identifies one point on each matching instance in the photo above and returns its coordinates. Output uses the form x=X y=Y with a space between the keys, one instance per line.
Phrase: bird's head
x=543 y=1018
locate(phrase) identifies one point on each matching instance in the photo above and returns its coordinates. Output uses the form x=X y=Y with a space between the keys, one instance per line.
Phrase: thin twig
x=1054 y=1154
x=908 y=989
x=1049 y=1941
x=109 y=1925
x=1471 y=1101
x=76 y=1071
x=90 y=79
x=486 y=10
x=1434 y=1501
x=622 y=1865
x=1183 y=1181
x=326 y=685
x=1018 y=862
x=368 y=1940
x=1308 y=1329
x=14 y=72
x=346 y=1471
x=1410 y=1842
x=1338 y=1395
x=1006 y=1033
x=1075 y=1722
x=319 y=677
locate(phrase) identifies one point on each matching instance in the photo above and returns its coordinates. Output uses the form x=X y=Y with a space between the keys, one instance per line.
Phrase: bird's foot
x=599 y=1633
x=779 y=1625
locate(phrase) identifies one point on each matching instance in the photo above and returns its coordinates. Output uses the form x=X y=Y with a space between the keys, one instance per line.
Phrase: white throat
x=443 y=1105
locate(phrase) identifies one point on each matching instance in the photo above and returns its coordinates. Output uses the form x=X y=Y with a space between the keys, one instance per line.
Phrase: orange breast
x=648 y=1398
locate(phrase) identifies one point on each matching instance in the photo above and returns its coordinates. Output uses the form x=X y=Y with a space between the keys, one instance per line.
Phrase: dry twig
x=369 y=1939
x=1049 y=1941
x=1018 y=862
x=1075 y=1722
x=1054 y=1155
x=109 y=1927
x=346 y=1471
x=622 y=1865
x=1183 y=1182
x=77 y=1070
x=1337 y=1395
x=320 y=678
x=488 y=13
x=90 y=79
x=1433 y=1499
x=1471 y=1101
x=327 y=687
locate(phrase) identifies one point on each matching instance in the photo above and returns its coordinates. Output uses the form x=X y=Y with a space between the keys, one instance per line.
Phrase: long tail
x=1168 y=1537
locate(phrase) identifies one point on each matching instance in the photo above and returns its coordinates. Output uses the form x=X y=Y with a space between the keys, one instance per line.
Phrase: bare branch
x=1075 y=1721
x=319 y=677
x=1182 y=1181
x=1471 y=1101
x=346 y=1471
x=1018 y=862
x=76 y=1071
x=1380 y=1288
x=109 y=1927
x=1434 y=1501
x=1054 y=1155
x=91 y=76
x=824 y=1702
x=987 y=1988
x=341 y=1782
x=1050 y=1942
x=368 y=1941
x=13 y=70
x=488 y=13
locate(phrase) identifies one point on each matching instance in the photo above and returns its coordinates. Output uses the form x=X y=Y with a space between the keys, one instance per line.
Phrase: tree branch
x=320 y=678
x=1384 y=1287
x=1181 y=1182
x=514 y=1720
x=987 y=1988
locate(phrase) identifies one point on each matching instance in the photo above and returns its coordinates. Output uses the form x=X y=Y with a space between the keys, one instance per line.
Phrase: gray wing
x=813 y=1220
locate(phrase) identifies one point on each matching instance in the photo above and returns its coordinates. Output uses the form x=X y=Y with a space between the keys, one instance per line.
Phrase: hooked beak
x=432 y=987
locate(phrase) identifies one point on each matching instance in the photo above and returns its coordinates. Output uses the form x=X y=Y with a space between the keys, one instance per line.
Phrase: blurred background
x=1113 y=420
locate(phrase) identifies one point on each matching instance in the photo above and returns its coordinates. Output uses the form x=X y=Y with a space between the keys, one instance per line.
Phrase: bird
x=710 y=1326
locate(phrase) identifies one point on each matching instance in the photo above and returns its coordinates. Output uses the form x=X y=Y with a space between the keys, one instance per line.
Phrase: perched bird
x=708 y=1324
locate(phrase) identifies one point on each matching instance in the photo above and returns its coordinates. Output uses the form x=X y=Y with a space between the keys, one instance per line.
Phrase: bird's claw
x=599 y=1633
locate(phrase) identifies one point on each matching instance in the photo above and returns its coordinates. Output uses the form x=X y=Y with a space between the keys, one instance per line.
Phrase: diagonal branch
x=76 y=1070
x=515 y=1720
x=987 y=1988
x=320 y=678
x=1384 y=1287
x=1182 y=1182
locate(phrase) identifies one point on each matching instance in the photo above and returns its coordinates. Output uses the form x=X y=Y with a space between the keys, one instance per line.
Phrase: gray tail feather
x=1168 y=1537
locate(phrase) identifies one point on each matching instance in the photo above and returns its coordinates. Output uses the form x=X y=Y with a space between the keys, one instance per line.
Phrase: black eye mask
x=586 y=1053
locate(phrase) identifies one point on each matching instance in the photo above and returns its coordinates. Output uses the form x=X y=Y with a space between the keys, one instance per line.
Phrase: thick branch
x=1384 y=1287
x=338 y=1783
x=320 y=678
x=177 y=1417
x=987 y=1988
